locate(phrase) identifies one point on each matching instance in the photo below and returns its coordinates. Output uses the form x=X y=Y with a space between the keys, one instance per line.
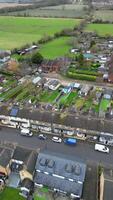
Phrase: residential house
x=22 y=167
x=64 y=174
x=108 y=94
x=36 y=80
x=5 y=157
x=27 y=187
x=52 y=84
x=85 y=90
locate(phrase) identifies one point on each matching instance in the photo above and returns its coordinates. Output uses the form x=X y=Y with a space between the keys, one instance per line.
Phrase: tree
x=37 y=58
x=80 y=59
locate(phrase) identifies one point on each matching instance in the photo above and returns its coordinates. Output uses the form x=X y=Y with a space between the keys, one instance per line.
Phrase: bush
x=85 y=72
x=81 y=76
x=37 y=58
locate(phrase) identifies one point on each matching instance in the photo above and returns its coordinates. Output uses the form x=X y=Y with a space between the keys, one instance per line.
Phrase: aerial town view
x=56 y=100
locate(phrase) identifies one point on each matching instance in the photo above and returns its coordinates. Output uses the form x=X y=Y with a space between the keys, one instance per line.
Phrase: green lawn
x=48 y=97
x=87 y=105
x=39 y=198
x=101 y=29
x=53 y=96
x=104 y=104
x=79 y=103
x=68 y=99
x=10 y=194
x=56 y=48
x=17 y=31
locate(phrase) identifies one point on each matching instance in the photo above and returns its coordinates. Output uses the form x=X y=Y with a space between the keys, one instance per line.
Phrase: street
x=82 y=150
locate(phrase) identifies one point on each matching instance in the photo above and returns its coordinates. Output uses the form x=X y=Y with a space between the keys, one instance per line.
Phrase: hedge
x=86 y=72
x=81 y=76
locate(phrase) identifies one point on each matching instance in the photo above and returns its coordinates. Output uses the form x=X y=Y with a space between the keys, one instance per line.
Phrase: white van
x=24 y=125
x=56 y=139
x=26 y=132
x=102 y=148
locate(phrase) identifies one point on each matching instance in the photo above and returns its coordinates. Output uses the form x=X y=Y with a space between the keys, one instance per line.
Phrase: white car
x=42 y=137
x=101 y=148
x=56 y=139
x=26 y=132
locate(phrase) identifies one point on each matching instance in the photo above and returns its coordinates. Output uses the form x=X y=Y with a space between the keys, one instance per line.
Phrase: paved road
x=82 y=150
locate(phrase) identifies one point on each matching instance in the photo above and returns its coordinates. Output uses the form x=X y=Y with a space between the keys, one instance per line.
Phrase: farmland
x=16 y=32
x=68 y=11
x=101 y=29
x=104 y=15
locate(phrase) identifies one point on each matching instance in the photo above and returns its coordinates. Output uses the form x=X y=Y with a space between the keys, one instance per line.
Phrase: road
x=84 y=151
x=67 y=80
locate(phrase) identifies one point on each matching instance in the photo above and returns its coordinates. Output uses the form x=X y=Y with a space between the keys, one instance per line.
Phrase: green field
x=103 y=15
x=101 y=29
x=10 y=194
x=17 y=31
x=56 y=48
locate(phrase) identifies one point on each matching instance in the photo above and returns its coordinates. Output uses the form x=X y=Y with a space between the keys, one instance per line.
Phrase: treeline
x=101 y=21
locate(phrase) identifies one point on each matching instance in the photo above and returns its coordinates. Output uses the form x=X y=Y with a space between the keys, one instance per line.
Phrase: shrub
x=81 y=76
x=85 y=72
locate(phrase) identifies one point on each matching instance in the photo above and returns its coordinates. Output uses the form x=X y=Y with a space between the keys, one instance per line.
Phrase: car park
x=26 y=132
x=70 y=141
x=42 y=137
x=56 y=139
x=101 y=148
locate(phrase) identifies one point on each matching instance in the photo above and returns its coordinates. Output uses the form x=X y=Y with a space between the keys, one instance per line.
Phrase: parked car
x=70 y=141
x=101 y=148
x=42 y=137
x=56 y=139
x=26 y=132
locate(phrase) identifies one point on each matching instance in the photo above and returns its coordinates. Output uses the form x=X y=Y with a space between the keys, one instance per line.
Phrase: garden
x=10 y=194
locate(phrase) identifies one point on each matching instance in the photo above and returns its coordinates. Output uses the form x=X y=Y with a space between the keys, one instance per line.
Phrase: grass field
x=16 y=32
x=56 y=48
x=101 y=29
x=103 y=15
x=10 y=194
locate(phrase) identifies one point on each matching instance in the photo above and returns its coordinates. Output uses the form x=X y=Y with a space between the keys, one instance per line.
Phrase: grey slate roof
x=27 y=156
x=5 y=156
x=108 y=184
x=108 y=190
x=61 y=184
x=65 y=173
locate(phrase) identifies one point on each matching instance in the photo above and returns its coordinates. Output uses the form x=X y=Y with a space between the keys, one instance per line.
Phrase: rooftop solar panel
x=14 y=112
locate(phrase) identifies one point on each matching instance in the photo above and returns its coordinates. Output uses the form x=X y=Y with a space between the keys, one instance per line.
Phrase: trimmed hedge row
x=86 y=72
x=81 y=76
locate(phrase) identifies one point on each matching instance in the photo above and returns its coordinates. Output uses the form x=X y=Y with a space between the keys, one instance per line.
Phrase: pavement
x=83 y=150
